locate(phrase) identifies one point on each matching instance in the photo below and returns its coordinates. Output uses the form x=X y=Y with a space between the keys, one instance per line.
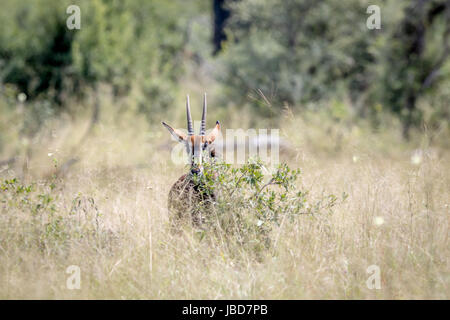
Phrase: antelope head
x=196 y=145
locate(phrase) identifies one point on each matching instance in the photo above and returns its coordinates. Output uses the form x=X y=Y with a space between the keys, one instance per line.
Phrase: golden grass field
x=396 y=216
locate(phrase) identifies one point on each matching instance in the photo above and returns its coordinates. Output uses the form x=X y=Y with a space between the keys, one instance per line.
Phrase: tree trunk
x=221 y=14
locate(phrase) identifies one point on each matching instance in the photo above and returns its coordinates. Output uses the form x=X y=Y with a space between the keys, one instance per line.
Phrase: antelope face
x=196 y=145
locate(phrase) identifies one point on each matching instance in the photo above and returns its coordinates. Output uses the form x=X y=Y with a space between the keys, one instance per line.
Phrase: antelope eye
x=205 y=145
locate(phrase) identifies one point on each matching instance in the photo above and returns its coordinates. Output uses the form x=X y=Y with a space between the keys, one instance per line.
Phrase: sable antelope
x=186 y=193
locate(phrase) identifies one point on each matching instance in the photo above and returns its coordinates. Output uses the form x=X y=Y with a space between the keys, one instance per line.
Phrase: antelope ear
x=177 y=134
x=213 y=134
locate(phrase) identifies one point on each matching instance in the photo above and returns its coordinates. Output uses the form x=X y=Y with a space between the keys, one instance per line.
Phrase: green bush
x=32 y=216
x=248 y=206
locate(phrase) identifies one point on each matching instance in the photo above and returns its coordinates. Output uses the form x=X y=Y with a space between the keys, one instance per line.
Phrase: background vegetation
x=85 y=164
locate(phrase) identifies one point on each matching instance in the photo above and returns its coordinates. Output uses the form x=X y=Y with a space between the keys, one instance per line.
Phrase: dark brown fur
x=184 y=200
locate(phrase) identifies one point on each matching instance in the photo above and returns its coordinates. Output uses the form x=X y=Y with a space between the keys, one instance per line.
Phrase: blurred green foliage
x=277 y=52
x=300 y=52
x=120 y=42
x=297 y=51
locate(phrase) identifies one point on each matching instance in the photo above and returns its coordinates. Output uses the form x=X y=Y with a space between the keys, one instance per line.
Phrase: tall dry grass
x=396 y=217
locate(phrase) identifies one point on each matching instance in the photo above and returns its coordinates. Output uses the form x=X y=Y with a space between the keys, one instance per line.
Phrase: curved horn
x=203 y=123
x=189 y=118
